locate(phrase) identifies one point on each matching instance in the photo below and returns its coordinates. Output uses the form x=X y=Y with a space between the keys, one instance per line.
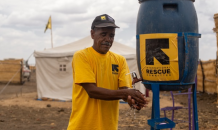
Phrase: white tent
x=54 y=72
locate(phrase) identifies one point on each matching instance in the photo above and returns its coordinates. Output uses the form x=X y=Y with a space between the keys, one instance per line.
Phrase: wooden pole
x=216 y=73
x=216 y=31
x=203 y=76
x=21 y=72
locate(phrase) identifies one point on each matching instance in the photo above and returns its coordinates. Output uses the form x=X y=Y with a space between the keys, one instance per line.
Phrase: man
x=100 y=80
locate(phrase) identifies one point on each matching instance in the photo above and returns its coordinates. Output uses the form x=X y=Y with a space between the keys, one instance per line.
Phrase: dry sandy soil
x=21 y=111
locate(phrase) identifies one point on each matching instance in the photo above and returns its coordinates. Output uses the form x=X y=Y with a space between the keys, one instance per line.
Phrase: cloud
x=71 y=7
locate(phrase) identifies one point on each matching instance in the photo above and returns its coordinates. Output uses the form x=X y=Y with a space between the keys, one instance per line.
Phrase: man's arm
x=107 y=94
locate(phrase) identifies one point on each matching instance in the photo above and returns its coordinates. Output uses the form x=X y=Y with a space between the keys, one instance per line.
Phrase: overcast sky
x=22 y=24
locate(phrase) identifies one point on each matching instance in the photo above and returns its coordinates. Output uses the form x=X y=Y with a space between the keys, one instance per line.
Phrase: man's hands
x=139 y=101
x=136 y=99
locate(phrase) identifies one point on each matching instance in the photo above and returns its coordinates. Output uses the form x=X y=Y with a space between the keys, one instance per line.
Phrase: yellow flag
x=48 y=25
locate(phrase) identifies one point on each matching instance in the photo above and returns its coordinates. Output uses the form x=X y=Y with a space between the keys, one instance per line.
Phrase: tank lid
x=140 y=1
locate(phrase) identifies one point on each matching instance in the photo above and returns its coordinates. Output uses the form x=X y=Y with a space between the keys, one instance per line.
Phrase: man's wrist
x=124 y=94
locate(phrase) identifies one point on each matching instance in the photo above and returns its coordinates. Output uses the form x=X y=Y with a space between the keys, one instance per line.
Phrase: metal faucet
x=134 y=76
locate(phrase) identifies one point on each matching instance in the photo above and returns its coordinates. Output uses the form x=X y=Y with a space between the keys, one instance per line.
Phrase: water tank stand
x=158 y=123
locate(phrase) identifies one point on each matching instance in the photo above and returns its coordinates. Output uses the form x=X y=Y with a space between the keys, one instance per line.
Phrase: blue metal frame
x=195 y=106
x=144 y=82
x=186 y=35
x=156 y=121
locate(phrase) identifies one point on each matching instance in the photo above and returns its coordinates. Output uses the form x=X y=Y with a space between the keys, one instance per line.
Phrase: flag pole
x=51 y=35
x=49 y=26
x=51 y=39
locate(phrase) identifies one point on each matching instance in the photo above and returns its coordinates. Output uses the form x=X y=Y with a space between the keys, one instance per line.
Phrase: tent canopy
x=71 y=48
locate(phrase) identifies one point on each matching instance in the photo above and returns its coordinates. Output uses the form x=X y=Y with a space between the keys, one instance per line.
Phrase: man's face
x=103 y=39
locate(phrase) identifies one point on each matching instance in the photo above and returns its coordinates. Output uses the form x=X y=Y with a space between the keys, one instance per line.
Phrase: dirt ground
x=19 y=110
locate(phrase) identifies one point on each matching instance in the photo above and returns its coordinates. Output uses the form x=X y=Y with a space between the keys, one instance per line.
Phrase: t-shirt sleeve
x=125 y=80
x=82 y=70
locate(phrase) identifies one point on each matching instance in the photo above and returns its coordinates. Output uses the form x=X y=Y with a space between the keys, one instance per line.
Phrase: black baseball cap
x=104 y=20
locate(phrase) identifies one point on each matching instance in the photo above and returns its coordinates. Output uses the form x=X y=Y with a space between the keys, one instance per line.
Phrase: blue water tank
x=156 y=19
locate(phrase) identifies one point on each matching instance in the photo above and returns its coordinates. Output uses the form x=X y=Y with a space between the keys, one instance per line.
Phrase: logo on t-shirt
x=115 y=69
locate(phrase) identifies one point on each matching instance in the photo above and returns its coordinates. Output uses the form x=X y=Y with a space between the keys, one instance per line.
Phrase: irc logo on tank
x=159 y=56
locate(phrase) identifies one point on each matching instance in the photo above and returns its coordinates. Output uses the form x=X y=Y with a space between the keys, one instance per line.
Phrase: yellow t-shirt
x=107 y=71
